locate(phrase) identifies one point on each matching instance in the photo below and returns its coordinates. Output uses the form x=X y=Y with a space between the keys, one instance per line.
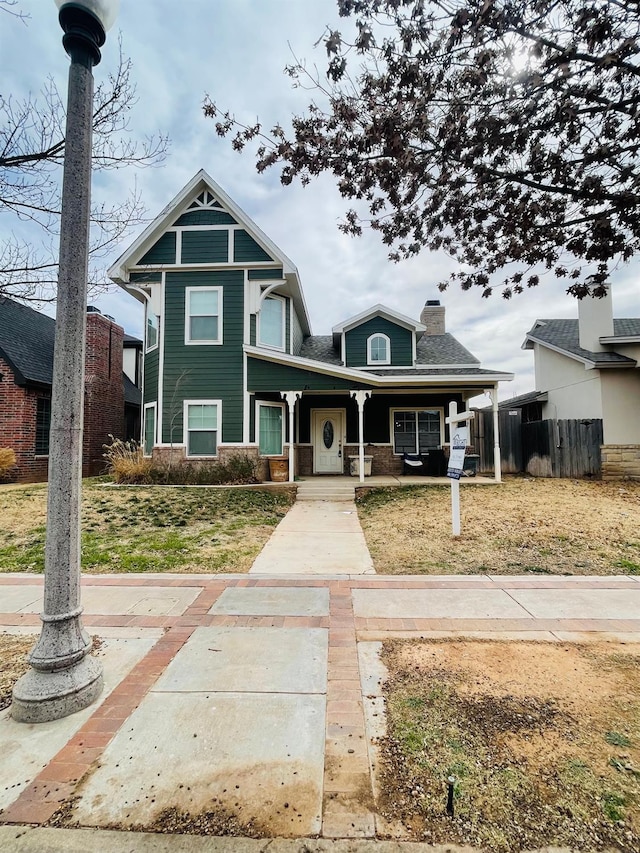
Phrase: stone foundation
x=620 y=461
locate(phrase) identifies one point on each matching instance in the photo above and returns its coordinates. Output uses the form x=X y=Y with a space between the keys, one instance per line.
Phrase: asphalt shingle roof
x=26 y=341
x=320 y=348
x=442 y=349
x=564 y=335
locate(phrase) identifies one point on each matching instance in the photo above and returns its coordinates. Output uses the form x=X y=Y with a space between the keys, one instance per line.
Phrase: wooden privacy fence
x=566 y=448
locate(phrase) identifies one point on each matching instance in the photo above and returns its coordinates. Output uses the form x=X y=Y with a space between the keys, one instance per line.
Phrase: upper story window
x=271 y=322
x=378 y=349
x=152 y=331
x=203 y=320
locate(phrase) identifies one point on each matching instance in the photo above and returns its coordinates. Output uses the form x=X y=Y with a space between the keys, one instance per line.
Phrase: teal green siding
x=205 y=247
x=287 y=329
x=206 y=217
x=163 y=252
x=263 y=275
x=401 y=342
x=151 y=362
x=246 y=249
x=203 y=372
x=252 y=330
x=297 y=333
x=152 y=275
x=267 y=376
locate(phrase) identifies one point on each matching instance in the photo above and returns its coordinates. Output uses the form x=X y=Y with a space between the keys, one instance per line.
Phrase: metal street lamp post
x=63 y=677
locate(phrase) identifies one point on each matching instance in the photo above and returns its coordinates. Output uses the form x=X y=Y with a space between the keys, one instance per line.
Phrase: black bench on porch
x=430 y=464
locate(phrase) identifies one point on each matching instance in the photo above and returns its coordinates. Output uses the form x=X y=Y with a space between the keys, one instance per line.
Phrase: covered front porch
x=362 y=431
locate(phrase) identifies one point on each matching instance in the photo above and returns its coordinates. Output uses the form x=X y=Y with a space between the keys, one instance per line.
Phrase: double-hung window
x=271 y=428
x=416 y=431
x=271 y=323
x=43 y=425
x=203 y=321
x=378 y=349
x=201 y=427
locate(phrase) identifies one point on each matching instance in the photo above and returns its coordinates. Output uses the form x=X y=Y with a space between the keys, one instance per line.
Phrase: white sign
x=456 y=457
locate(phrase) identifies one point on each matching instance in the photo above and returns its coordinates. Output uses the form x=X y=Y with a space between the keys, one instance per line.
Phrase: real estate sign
x=456 y=457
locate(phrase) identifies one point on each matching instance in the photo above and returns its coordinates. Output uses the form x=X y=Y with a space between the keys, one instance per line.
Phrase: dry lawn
x=13 y=663
x=542 y=740
x=524 y=525
x=147 y=529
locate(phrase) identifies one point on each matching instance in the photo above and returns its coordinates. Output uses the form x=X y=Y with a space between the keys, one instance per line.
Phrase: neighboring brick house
x=26 y=370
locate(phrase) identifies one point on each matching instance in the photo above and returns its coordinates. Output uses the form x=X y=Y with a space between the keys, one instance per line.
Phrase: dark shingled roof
x=130 y=341
x=443 y=371
x=431 y=349
x=442 y=349
x=626 y=327
x=26 y=342
x=523 y=400
x=564 y=335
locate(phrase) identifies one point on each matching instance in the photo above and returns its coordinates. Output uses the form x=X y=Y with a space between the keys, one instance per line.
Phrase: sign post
x=458 y=433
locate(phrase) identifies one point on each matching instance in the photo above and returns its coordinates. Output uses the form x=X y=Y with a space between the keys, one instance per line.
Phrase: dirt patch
x=542 y=741
x=13 y=663
x=524 y=525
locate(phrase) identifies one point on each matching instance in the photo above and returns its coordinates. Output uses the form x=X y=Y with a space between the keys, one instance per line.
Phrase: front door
x=328 y=430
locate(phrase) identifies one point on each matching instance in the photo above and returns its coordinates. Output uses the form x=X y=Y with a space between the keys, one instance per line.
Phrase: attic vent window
x=378 y=349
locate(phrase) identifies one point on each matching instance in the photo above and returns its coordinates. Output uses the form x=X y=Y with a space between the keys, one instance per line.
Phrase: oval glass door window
x=327 y=434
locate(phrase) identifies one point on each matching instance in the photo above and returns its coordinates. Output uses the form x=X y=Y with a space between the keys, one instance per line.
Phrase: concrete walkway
x=253 y=702
x=321 y=534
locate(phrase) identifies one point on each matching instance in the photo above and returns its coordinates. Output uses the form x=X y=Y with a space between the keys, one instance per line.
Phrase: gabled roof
x=443 y=349
x=625 y=331
x=119 y=271
x=26 y=342
x=377 y=311
x=563 y=337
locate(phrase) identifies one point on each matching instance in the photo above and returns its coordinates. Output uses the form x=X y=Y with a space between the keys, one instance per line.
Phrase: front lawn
x=147 y=529
x=524 y=525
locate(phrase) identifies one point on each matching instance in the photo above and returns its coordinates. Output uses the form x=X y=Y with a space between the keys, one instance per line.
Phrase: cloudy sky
x=235 y=51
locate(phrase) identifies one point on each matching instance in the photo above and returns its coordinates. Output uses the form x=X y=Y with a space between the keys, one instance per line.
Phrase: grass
x=147 y=529
x=522 y=526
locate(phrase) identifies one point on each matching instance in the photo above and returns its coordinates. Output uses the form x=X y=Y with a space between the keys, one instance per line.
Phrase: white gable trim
x=379 y=311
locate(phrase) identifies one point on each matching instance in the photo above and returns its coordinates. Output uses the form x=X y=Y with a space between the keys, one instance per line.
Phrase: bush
x=126 y=464
x=7 y=462
x=125 y=461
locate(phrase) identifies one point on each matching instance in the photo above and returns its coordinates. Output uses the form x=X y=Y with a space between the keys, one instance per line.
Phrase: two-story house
x=230 y=363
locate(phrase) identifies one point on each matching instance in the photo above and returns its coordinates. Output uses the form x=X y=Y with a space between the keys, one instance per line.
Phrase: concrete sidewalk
x=250 y=704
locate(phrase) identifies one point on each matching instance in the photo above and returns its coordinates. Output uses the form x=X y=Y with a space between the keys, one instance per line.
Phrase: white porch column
x=291 y=397
x=360 y=397
x=497 y=465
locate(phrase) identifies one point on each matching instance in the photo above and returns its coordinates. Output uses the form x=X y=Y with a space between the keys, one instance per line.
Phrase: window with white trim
x=271 y=322
x=149 y=437
x=152 y=330
x=416 y=431
x=270 y=428
x=203 y=320
x=378 y=349
x=202 y=426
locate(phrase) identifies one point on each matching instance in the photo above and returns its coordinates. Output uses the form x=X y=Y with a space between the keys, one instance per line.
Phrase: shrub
x=7 y=462
x=239 y=470
x=125 y=461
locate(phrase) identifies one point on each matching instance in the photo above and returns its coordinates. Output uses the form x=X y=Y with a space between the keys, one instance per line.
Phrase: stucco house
x=112 y=400
x=231 y=365
x=590 y=368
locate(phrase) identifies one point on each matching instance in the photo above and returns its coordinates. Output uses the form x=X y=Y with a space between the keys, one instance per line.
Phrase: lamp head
x=106 y=11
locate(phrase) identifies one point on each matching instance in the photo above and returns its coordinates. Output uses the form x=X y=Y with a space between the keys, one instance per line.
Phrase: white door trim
x=317 y=416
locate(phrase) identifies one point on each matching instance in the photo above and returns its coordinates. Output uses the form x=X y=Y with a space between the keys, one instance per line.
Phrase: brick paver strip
x=58 y=780
x=348 y=799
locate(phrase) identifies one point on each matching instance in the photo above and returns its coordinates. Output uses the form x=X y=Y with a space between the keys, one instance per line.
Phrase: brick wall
x=620 y=461
x=18 y=427
x=103 y=392
x=384 y=461
x=103 y=410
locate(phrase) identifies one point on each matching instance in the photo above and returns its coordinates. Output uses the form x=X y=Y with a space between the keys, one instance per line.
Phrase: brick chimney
x=595 y=320
x=103 y=389
x=432 y=317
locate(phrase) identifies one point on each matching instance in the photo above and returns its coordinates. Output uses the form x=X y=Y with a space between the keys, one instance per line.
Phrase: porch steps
x=324 y=489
